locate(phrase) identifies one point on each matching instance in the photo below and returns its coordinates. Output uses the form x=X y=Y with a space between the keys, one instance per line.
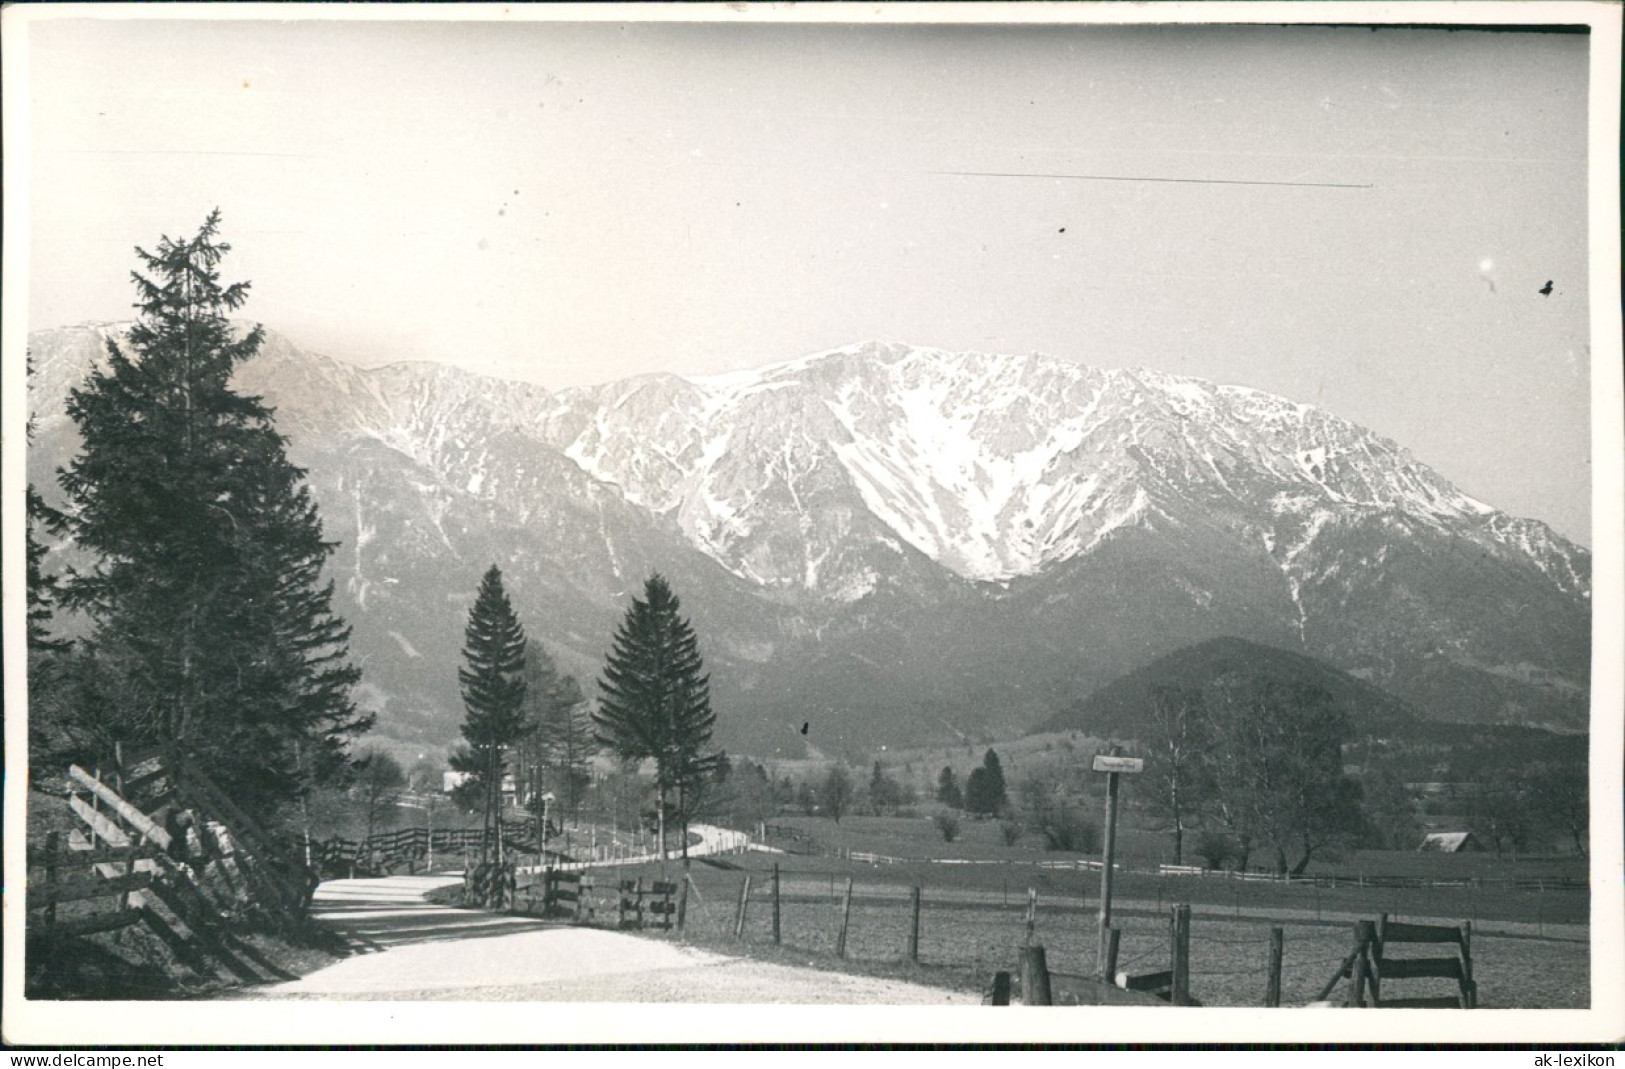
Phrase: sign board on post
x=1112 y=764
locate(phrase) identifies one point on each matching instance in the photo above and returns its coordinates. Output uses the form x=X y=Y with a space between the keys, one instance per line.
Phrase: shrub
x=1011 y=831
x=948 y=825
x=1213 y=847
x=1070 y=831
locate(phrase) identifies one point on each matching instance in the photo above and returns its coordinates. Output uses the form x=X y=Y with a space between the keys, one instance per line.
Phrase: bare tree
x=1175 y=776
x=379 y=780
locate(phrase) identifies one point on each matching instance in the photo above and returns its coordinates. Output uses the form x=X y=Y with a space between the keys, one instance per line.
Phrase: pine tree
x=50 y=728
x=493 y=685
x=985 y=792
x=836 y=793
x=948 y=789
x=212 y=628
x=655 y=700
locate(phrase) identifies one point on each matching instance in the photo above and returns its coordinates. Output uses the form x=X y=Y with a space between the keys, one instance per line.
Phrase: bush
x=1069 y=831
x=1011 y=831
x=1214 y=847
x=948 y=825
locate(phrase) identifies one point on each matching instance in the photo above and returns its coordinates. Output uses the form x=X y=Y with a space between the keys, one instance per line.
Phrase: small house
x=1448 y=842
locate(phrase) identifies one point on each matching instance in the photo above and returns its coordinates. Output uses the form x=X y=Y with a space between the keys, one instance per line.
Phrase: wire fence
x=983 y=932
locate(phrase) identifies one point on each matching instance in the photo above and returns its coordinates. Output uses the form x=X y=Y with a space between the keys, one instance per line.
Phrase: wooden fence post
x=1034 y=977
x=744 y=904
x=775 y=902
x=1272 y=986
x=1469 y=988
x=914 y=924
x=1001 y=988
x=1032 y=912
x=682 y=897
x=1181 y=965
x=1362 y=963
x=1114 y=937
x=53 y=843
x=846 y=919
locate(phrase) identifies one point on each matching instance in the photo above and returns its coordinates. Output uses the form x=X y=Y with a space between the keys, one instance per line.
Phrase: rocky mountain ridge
x=905 y=542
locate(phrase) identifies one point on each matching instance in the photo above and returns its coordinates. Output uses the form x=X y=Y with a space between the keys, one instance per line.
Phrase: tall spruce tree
x=50 y=734
x=985 y=792
x=655 y=700
x=493 y=685
x=212 y=628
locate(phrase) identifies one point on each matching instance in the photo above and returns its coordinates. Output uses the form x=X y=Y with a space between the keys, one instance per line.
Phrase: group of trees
x=985 y=793
x=1254 y=765
x=654 y=705
x=1511 y=809
x=207 y=625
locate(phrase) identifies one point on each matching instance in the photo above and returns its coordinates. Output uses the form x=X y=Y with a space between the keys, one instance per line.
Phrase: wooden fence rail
x=160 y=845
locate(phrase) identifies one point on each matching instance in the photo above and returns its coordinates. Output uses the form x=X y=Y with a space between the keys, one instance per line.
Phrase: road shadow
x=386 y=925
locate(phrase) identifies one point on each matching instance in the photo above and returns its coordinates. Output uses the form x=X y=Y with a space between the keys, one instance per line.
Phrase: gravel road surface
x=409 y=949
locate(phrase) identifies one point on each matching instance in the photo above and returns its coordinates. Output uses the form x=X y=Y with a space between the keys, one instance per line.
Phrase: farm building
x=1448 y=842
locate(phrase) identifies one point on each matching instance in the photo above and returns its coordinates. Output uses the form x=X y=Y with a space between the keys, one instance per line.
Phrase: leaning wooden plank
x=184 y=952
x=202 y=923
x=1151 y=981
x=1343 y=972
x=80 y=856
x=130 y=814
x=139 y=780
x=104 y=830
x=100 y=922
x=272 y=890
x=1418 y=968
x=80 y=890
x=240 y=822
x=1395 y=932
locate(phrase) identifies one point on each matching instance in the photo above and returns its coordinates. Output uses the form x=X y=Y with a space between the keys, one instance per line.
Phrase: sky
x=1359 y=220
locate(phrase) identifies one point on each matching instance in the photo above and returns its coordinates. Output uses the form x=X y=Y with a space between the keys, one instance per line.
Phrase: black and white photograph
x=767 y=523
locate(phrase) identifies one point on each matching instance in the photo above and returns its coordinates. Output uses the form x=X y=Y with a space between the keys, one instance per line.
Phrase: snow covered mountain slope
x=905 y=543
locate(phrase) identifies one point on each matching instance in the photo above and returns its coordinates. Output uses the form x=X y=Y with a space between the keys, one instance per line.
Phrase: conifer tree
x=985 y=792
x=655 y=700
x=212 y=628
x=48 y=656
x=493 y=685
x=948 y=789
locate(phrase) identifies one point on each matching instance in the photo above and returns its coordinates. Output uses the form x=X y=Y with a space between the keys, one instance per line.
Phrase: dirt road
x=410 y=949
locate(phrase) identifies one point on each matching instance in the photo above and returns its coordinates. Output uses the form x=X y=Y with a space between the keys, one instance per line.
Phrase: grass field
x=1530 y=943
x=1489 y=899
x=973 y=922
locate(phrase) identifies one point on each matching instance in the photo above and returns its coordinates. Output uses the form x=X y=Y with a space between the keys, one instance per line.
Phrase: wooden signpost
x=1113 y=765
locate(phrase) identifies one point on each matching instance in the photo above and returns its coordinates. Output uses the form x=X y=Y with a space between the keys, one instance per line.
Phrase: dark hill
x=1118 y=709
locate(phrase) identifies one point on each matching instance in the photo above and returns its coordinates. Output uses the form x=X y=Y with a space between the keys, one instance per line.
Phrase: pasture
x=1529 y=917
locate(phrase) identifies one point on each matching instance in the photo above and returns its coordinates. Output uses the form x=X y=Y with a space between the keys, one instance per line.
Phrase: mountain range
x=899 y=545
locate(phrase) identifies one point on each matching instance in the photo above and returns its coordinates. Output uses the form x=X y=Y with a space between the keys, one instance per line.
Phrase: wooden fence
x=1369 y=965
x=160 y=846
x=411 y=848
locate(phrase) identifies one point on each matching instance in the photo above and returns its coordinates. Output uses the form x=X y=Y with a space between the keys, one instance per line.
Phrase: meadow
x=1530 y=941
